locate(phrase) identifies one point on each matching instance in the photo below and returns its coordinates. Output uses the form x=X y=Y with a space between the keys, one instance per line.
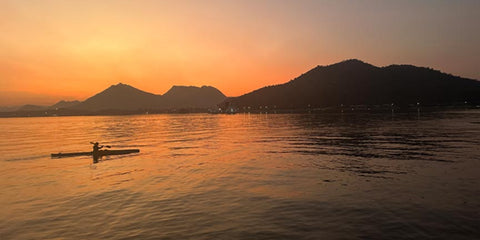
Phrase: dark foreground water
x=352 y=176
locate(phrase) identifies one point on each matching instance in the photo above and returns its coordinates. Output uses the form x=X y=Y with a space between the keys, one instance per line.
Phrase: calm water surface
x=373 y=176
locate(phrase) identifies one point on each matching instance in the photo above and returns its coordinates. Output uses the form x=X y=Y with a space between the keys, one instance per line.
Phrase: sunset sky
x=53 y=50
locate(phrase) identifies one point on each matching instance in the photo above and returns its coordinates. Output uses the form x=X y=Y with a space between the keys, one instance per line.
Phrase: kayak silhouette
x=96 y=152
x=100 y=153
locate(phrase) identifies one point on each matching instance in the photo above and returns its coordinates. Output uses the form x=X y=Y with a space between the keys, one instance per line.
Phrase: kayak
x=100 y=153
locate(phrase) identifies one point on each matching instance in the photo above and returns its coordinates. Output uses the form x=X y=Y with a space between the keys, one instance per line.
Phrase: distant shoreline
x=352 y=109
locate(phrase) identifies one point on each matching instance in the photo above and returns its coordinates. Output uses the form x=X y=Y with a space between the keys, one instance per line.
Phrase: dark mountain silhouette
x=120 y=97
x=194 y=97
x=64 y=104
x=354 y=82
x=125 y=97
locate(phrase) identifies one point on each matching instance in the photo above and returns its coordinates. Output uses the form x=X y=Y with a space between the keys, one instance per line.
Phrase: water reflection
x=351 y=143
x=95 y=157
x=269 y=176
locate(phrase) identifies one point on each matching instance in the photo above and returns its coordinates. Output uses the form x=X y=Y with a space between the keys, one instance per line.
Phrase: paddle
x=107 y=146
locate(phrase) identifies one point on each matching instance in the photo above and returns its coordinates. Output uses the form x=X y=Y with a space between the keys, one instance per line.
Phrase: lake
x=243 y=176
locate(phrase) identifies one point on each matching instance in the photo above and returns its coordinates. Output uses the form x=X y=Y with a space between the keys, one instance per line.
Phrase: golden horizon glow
x=70 y=50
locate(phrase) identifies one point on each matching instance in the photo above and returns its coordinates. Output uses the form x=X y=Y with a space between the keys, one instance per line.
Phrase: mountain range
x=126 y=97
x=123 y=98
x=353 y=82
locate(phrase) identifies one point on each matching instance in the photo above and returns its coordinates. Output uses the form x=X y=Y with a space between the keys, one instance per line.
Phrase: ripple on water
x=285 y=176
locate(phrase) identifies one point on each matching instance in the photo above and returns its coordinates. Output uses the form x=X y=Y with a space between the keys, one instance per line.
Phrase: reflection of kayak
x=100 y=153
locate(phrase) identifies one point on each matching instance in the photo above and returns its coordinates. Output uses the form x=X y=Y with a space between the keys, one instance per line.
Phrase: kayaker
x=95 y=153
x=96 y=147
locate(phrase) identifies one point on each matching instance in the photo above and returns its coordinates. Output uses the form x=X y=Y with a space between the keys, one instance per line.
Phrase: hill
x=64 y=104
x=354 y=82
x=128 y=98
x=120 y=97
x=193 y=97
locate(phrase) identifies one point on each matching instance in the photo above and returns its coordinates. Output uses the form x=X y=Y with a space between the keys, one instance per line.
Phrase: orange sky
x=53 y=50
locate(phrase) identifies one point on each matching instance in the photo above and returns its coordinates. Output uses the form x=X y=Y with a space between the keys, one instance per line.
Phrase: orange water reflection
x=220 y=164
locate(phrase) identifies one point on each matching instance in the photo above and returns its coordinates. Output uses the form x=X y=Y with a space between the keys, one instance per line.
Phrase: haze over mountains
x=354 y=82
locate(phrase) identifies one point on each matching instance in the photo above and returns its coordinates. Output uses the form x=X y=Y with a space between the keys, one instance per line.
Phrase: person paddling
x=96 y=153
x=96 y=147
